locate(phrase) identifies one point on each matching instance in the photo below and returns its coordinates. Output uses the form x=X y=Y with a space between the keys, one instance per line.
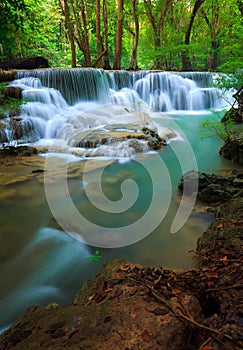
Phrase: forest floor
x=130 y=307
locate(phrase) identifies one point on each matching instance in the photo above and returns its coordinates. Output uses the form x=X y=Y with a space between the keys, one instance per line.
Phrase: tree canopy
x=129 y=34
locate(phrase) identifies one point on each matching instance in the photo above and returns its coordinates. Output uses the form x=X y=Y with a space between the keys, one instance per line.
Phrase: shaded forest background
x=202 y=35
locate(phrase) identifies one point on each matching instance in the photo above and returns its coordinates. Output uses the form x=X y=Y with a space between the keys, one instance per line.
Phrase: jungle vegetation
x=202 y=35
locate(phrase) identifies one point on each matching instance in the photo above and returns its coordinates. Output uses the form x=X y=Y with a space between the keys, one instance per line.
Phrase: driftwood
x=25 y=63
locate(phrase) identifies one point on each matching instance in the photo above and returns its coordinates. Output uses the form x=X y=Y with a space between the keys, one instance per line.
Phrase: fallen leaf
x=211 y=274
x=206 y=347
x=133 y=313
x=220 y=226
x=91 y=297
x=176 y=291
x=145 y=336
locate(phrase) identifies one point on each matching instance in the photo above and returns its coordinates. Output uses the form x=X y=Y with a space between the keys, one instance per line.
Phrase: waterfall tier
x=67 y=102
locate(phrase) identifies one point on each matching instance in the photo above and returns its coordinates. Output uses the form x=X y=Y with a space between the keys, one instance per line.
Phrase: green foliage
x=94 y=258
x=214 y=127
x=29 y=28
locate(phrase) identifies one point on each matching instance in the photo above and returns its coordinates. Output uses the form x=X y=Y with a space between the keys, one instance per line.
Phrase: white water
x=96 y=99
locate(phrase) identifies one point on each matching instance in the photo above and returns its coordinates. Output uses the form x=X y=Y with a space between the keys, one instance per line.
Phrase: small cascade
x=74 y=84
x=167 y=91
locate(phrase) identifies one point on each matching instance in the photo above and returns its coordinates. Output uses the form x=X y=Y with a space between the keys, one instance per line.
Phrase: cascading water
x=63 y=102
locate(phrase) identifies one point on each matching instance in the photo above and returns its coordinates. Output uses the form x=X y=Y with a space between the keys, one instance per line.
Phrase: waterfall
x=64 y=102
x=174 y=90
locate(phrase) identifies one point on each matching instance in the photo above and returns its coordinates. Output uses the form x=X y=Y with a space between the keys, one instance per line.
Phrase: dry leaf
x=220 y=226
x=133 y=313
x=91 y=297
x=211 y=274
x=146 y=336
x=176 y=291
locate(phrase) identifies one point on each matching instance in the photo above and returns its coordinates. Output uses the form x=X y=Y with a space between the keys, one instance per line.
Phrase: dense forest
x=204 y=35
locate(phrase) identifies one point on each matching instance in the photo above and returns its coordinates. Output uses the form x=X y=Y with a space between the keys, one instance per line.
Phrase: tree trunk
x=186 y=63
x=133 y=62
x=148 y=7
x=240 y=6
x=100 y=47
x=65 y=10
x=86 y=48
x=213 y=59
x=118 y=42
x=105 y=19
x=157 y=26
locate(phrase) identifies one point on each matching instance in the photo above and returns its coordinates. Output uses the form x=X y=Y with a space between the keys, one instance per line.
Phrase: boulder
x=233 y=149
x=25 y=63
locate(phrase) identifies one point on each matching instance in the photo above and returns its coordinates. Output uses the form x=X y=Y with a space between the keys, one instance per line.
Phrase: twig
x=205 y=343
x=224 y=288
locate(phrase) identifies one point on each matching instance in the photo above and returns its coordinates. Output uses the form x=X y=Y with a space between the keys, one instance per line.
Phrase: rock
x=233 y=150
x=112 y=134
x=232 y=113
x=212 y=188
x=107 y=312
x=7 y=75
x=25 y=63
x=24 y=151
x=12 y=92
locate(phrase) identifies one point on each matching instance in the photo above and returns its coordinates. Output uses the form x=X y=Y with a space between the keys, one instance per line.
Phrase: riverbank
x=128 y=306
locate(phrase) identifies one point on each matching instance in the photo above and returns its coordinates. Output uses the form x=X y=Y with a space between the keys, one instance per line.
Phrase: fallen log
x=25 y=63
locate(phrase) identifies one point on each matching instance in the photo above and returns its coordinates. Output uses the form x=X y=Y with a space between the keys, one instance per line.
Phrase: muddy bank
x=131 y=307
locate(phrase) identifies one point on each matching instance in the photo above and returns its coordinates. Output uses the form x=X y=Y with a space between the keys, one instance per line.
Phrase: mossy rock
x=233 y=114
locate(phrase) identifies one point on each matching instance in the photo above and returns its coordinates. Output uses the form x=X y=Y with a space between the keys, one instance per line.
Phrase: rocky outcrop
x=233 y=114
x=211 y=188
x=7 y=75
x=25 y=63
x=233 y=149
x=112 y=134
x=20 y=151
x=10 y=101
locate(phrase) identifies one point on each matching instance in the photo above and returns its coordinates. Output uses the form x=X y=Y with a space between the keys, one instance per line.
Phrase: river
x=141 y=219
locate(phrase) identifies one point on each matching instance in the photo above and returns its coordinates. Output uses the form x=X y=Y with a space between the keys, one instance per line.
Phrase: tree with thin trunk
x=213 y=28
x=105 y=20
x=65 y=11
x=80 y=29
x=118 y=40
x=186 y=63
x=157 y=24
x=99 y=43
x=86 y=50
x=133 y=62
